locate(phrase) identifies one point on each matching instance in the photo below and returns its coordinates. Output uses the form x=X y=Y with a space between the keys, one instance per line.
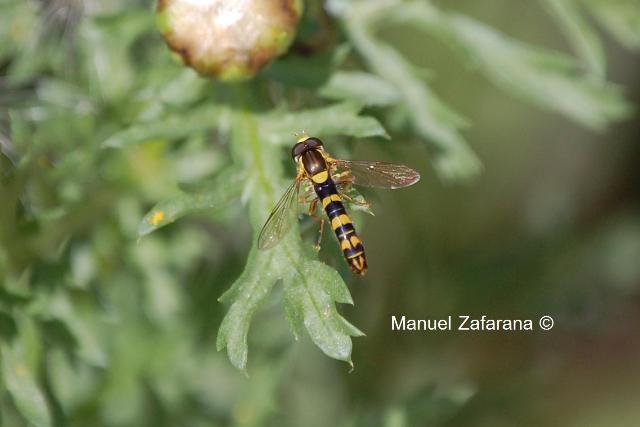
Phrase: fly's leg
x=343 y=177
x=312 y=213
x=343 y=187
x=319 y=241
x=308 y=195
x=356 y=202
x=308 y=199
x=344 y=181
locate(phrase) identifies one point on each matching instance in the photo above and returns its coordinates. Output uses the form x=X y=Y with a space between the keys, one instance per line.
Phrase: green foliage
x=98 y=125
x=620 y=17
x=581 y=35
x=217 y=194
x=548 y=78
x=311 y=289
x=18 y=373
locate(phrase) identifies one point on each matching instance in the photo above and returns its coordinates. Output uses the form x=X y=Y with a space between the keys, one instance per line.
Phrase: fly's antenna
x=301 y=136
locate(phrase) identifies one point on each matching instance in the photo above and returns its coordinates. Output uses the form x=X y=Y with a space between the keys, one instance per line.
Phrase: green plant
x=98 y=121
x=547 y=78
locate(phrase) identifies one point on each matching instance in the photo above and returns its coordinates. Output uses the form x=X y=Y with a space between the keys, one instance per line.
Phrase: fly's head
x=305 y=144
x=308 y=154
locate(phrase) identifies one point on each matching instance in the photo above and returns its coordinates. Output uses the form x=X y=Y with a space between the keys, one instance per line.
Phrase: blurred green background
x=102 y=328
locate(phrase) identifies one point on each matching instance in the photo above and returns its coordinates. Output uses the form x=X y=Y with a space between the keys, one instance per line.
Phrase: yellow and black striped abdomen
x=341 y=224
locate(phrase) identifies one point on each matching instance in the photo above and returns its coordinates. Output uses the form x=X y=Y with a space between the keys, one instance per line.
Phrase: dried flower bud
x=228 y=39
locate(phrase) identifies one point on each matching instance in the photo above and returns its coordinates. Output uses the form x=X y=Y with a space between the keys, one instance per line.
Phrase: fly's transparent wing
x=281 y=218
x=379 y=174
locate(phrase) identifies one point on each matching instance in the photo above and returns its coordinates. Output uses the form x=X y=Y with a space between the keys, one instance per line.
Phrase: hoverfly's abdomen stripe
x=344 y=231
x=350 y=243
x=334 y=208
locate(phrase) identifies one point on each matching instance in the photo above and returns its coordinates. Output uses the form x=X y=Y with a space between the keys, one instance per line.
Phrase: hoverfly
x=330 y=179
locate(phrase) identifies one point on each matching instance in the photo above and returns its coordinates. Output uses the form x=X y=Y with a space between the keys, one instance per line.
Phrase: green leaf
x=170 y=127
x=220 y=192
x=75 y=321
x=105 y=41
x=247 y=292
x=13 y=296
x=620 y=17
x=8 y=327
x=534 y=75
x=365 y=88
x=182 y=89
x=396 y=417
x=547 y=78
x=21 y=384
x=311 y=291
x=429 y=116
x=580 y=34
x=308 y=72
x=17 y=19
x=338 y=119
x=66 y=95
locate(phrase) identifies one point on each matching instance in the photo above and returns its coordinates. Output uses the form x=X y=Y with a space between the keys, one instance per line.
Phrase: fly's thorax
x=315 y=166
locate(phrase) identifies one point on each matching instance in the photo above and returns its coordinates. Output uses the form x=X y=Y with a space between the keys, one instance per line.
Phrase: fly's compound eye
x=314 y=143
x=298 y=149
x=306 y=145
